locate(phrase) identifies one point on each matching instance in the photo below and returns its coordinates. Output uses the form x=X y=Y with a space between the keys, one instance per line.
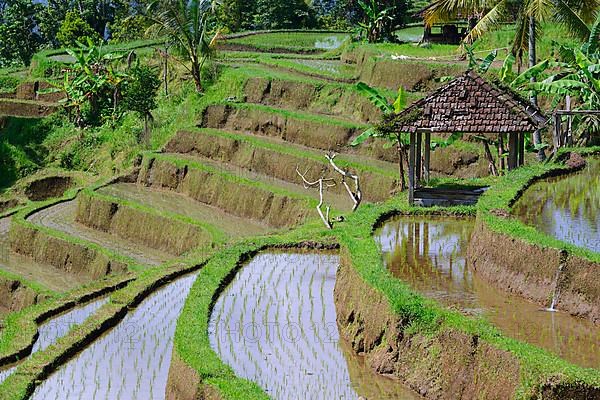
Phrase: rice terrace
x=301 y=199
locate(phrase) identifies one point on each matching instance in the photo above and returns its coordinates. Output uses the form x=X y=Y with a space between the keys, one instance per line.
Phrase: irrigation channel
x=132 y=360
x=430 y=255
x=55 y=328
x=567 y=208
x=275 y=324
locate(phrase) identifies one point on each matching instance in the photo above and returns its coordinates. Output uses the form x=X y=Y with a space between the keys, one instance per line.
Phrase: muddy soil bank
x=24 y=109
x=48 y=187
x=30 y=91
x=447 y=365
x=228 y=193
x=69 y=256
x=309 y=97
x=15 y=296
x=267 y=161
x=6 y=205
x=152 y=230
x=311 y=133
x=323 y=136
x=532 y=271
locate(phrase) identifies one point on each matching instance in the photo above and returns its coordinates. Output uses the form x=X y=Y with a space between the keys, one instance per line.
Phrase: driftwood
x=356 y=196
x=323 y=183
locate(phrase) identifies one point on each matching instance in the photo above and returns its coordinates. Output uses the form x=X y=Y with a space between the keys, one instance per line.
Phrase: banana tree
x=398 y=139
x=378 y=21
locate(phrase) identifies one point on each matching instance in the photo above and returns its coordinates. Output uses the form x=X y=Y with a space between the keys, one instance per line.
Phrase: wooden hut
x=470 y=105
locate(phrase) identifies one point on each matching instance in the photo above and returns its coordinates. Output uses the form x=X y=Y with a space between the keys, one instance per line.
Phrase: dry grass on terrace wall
x=235 y=197
x=155 y=231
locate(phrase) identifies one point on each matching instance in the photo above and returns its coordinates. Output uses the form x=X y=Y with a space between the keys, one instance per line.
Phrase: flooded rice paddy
x=62 y=217
x=46 y=275
x=55 y=328
x=567 y=208
x=132 y=360
x=275 y=324
x=430 y=255
x=330 y=42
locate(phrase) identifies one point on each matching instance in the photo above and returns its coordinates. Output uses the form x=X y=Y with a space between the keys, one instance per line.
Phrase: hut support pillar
x=521 y=149
x=427 y=156
x=411 y=168
x=418 y=159
x=513 y=150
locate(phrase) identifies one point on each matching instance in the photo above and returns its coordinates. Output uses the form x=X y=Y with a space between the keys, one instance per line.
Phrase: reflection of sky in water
x=572 y=227
x=567 y=208
x=330 y=42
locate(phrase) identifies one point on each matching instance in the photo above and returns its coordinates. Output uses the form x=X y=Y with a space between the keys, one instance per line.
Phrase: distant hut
x=450 y=31
x=469 y=105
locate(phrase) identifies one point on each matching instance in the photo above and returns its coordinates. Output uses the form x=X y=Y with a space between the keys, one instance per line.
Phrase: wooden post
x=556 y=132
x=411 y=169
x=418 y=158
x=513 y=150
x=427 y=154
x=521 y=149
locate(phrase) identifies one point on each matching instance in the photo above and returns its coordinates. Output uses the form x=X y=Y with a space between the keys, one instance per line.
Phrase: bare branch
x=321 y=183
x=356 y=196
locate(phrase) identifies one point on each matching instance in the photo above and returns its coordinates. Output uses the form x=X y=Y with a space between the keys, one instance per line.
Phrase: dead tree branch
x=322 y=183
x=355 y=195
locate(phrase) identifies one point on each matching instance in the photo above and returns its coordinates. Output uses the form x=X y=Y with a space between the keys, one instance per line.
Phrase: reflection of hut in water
x=452 y=30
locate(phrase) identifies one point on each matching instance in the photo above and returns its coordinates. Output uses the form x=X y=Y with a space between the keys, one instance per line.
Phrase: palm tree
x=573 y=14
x=187 y=22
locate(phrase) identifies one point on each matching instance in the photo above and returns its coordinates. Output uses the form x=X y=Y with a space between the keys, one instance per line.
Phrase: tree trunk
x=196 y=74
x=537 y=135
x=146 y=139
x=401 y=167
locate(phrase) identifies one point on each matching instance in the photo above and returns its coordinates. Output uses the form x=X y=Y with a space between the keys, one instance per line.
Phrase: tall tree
x=237 y=15
x=284 y=14
x=19 y=40
x=187 y=23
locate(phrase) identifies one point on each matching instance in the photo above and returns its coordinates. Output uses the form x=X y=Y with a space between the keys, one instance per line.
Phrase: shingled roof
x=470 y=104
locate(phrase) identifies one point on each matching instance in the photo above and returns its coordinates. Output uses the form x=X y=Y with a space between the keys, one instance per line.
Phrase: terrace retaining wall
x=446 y=365
x=237 y=198
x=530 y=270
x=155 y=231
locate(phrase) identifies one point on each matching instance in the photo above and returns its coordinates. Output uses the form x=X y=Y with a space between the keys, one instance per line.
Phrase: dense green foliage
x=19 y=41
x=75 y=29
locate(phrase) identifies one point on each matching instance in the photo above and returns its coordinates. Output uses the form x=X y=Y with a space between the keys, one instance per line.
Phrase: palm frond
x=489 y=22
x=567 y=17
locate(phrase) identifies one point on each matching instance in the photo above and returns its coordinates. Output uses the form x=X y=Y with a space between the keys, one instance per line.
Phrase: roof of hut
x=469 y=104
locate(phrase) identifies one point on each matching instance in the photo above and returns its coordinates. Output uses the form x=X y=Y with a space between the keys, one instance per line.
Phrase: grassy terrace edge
x=355 y=237
x=181 y=162
x=503 y=196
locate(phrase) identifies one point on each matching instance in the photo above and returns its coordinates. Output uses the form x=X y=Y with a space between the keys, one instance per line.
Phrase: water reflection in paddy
x=430 y=254
x=567 y=208
x=132 y=360
x=275 y=324
x=55 y=328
